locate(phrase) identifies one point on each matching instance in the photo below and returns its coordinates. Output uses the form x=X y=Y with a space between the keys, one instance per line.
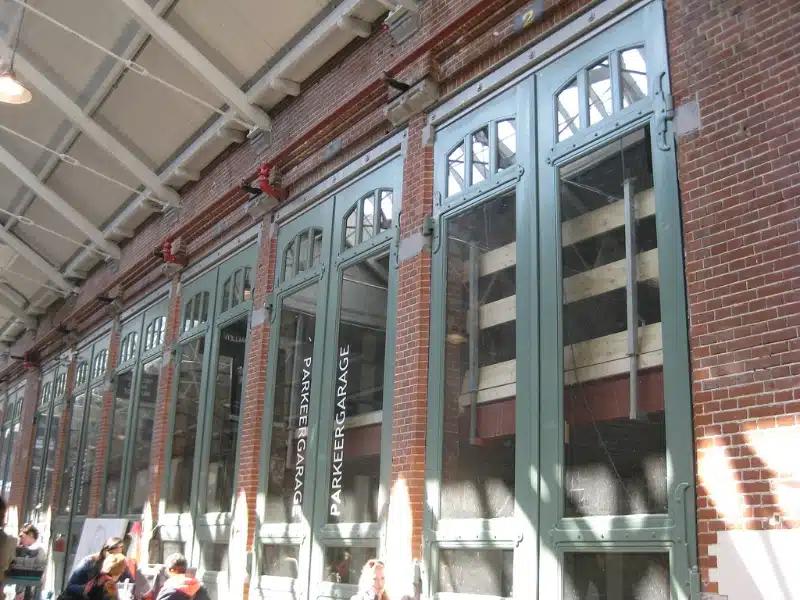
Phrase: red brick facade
x=739 y=176
x=740 y=190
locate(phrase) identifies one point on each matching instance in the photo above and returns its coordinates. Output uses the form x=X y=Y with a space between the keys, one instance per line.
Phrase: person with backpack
x=180 y=585
x=88 y=568
x=103 y=586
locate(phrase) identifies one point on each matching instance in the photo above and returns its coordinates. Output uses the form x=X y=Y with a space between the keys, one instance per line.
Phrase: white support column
x=36 y=259
x=93 y=130
x=58 y=203
x=196 y=61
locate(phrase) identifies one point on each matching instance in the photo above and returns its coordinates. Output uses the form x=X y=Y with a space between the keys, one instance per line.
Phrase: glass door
x=199 y=490
x=328 y=413
x=616 y=424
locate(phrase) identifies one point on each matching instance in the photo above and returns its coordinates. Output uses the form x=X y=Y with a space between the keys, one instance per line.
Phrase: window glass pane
x=69 y=479
x=247 y=290
x=204 y=312
x=226 y=294
x=302 y=252
x=628 y=576
x=184 y=430
x=214 y=556
x=485 y=572
x=350 y=229
x=358 y=398
x=228 y=389
x=288 y=262
x=600 y=103
x=45 y=394
x=236 y=294
x=172 y=547
x=634 y=75
x=343 y=565
x=290 y=419
x=368 y=218
x=317 y=249
x=385 y=214
x=280 y=560
x=119 y=433
x=188 y=315
x=568 y=110
x=614 y=434
x=50 y=458
x=89 y=451
x=82 y=370
x=143 y=432
x=37 y=458
x=480 y=367
x=506 y=144
x=455 y=171
x=480 y=156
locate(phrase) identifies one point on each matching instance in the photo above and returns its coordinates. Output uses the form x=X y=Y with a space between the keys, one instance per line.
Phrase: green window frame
x=215 y=315
x=10 y=429
x=350 y=238
x=84 y=412
x=135 y=385
x=43 y=456
x=608 y=91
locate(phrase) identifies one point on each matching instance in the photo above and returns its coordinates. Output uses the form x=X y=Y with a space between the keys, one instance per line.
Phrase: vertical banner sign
x=338 y=432
x=302 y=439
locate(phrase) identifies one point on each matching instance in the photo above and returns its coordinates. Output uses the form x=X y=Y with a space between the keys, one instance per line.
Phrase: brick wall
x=411 y=361
x=740 y=188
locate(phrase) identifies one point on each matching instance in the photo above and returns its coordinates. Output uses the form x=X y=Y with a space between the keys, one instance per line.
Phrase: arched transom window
x=370 y=216
x=196 y=311
x=302 y=253
x=237 y=288
x=99 y=364
x=81 y=373
x=610 y=85
x=128 y=347
x=483 y=153
x=154 y=334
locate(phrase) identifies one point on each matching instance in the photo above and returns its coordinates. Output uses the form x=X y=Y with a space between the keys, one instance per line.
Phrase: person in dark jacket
x=103 y=586
x=90 y=567
x=179 y=585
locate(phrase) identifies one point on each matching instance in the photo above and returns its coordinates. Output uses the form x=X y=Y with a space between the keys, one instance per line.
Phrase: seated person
x=31 y=556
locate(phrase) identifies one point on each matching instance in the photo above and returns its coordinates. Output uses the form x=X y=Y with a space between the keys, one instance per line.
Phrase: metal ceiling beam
x=63 y=207
x=15 y=310
x=196 y=61
x=96 y=99
x=220 y=127
x=93 y=130
x=37 y=260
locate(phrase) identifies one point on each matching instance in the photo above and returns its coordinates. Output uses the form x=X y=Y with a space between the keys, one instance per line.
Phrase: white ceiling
x=250 y=41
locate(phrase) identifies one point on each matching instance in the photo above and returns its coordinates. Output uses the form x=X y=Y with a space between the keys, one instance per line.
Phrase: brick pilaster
x=411 y=366
x=163 y=401
x=253 y=406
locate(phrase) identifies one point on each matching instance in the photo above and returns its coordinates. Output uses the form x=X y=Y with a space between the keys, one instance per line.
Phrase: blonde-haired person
x=104 y=585
x=371 y=584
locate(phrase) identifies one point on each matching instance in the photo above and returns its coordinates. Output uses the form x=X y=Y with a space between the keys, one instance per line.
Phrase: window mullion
x=583 y=98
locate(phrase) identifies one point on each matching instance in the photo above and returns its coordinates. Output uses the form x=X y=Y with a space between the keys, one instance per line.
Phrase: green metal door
x=559 y=457
x=328 y=411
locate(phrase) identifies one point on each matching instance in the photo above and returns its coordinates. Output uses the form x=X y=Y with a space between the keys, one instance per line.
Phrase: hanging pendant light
x=11 y=90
